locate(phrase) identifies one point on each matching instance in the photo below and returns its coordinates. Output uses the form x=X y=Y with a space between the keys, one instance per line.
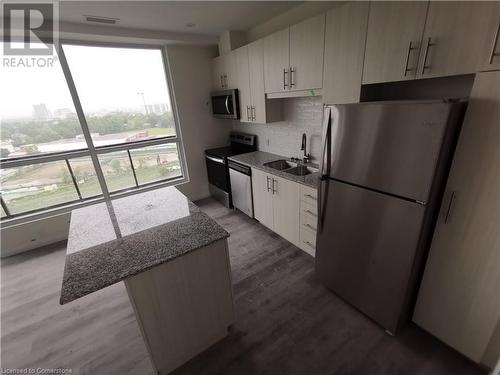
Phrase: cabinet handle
x=309 y=226
x=248 y=116
x=494 y=47
x=225 y=81
x=309 y=244
x=221 y=81
x=267 y=184
x=274 y=188
x=253 y=113
x=450 y=207
x=310 y=213
x=428 y=45
x=311 y=196
x=285 y=73
x=292 y=83
x=410 y=48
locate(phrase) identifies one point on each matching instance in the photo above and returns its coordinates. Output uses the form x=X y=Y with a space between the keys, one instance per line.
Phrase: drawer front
x=308 y=219
x=307 y=208
x=308 y=194
x=308 y=240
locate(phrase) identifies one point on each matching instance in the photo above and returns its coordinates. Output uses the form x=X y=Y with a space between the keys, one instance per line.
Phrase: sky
x=106 y=79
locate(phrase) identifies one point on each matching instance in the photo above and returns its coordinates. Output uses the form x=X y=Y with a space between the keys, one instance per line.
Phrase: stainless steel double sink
x=290 y=167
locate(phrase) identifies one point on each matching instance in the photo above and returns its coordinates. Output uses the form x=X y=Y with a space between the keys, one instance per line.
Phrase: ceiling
x=211 y=18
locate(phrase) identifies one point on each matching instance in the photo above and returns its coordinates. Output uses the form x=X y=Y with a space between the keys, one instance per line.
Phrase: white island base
x=183 y=306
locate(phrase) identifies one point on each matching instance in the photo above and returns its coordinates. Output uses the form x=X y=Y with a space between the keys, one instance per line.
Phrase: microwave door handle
x=227 y=105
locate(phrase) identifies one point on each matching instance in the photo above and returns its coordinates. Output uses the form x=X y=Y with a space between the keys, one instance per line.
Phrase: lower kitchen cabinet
x=308 y=219
x=286 y=208
x=459 y=299
x=276 y=204
x=262 y=197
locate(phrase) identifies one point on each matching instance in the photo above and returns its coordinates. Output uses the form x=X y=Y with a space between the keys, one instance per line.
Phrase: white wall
x=19 y=238
x=192 y=82
x=302 y=115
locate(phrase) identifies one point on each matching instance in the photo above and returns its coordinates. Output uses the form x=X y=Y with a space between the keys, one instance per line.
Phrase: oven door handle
x=217 y=160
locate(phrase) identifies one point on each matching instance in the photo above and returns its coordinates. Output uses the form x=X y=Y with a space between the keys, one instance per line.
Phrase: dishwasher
x=241 y=187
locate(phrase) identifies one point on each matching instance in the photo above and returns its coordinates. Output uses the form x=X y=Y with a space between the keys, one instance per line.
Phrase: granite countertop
x=109 y=242
x=258 y=158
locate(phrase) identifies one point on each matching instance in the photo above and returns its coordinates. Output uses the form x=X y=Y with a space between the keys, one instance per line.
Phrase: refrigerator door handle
x=326 y=130
x=325 y=160
x=451 y=204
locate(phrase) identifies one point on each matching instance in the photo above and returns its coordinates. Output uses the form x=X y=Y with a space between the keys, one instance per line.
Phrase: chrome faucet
x=307 y=157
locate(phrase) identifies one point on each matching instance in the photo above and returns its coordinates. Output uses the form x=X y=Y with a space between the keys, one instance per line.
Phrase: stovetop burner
x=241 y=143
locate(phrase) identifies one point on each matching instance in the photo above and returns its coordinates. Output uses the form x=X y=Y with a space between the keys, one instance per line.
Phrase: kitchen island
x=174 y=262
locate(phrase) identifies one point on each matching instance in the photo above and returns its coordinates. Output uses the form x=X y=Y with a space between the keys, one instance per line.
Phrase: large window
x=116 y=134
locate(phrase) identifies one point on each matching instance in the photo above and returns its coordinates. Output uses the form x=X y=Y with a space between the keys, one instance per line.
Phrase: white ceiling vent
x=99 y=19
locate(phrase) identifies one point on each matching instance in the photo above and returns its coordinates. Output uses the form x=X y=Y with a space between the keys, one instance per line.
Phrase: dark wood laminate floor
x=286 y=321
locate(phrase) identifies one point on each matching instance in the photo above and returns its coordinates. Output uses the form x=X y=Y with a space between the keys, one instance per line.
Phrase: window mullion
x=4 y=206
x=74 y=179
x=133 y=168
x=83 y=121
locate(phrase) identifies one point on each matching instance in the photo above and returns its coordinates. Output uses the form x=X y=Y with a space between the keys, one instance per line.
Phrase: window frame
x=93 y=151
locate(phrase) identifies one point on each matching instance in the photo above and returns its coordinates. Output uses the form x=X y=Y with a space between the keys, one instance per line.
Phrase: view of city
x=48 y=184
x=116 y=113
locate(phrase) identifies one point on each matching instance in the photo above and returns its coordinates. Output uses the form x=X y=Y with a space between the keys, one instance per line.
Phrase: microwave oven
x=225 y=104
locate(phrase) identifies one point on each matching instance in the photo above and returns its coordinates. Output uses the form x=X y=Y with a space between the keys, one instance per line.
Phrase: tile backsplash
x=301 y=115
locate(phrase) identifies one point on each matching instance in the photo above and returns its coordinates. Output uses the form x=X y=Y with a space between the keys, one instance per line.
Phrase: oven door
x=225 y=104
x=217 y=172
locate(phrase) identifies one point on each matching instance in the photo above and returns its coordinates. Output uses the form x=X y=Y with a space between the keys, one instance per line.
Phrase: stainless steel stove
x=217 y=165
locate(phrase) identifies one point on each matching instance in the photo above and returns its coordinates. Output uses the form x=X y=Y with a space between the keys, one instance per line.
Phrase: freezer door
x=388 y=146
x=366 y=247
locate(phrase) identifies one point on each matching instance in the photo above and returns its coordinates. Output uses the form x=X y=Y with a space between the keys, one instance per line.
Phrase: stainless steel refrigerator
x=383 y=171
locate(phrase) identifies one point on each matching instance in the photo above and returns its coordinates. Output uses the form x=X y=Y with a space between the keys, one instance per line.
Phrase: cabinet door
x=307 y=45
x=393 y=41
x=286 y=208
x=491 y=50
x=262 y=197
x=453 y=38
x=256 y=62
x=344 y=50
x=276 y=61
x=459 y=300
x=229 y=64
x=243 y=83
x=217 y=75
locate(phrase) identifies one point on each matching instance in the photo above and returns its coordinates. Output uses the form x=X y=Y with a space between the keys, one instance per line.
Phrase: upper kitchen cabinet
x=276 y=61
x=307 y=44
x=250 y=81
x=262 y=110
x=243 y=79
x=453 y=38
x=293 y=57
x=491 y=50
x=224 y=72
x=344 y=49
x=393 y=40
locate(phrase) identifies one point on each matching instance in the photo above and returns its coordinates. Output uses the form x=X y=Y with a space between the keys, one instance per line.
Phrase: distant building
x=157 y=108
x=41 y=112
x=62 y=113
